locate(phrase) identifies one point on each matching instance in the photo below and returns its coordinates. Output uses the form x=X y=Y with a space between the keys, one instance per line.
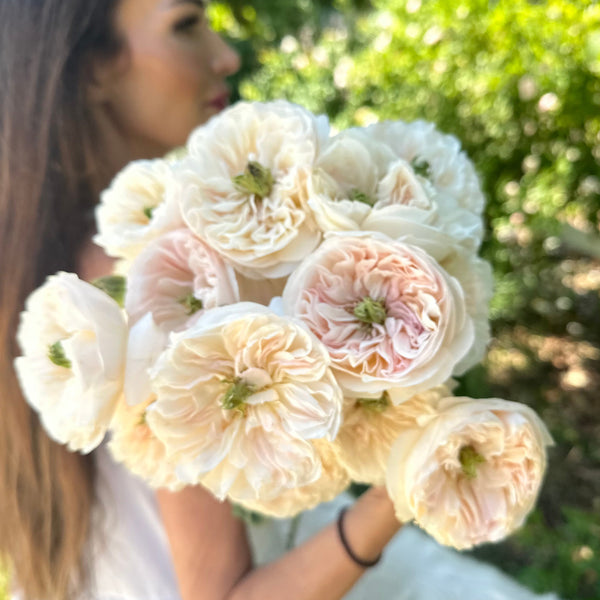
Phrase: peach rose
x=472 y=473
x=133 y=444
x=390 y=317
x=360 y=184
x=370 y=426
x=241 y=394
x=333 y=481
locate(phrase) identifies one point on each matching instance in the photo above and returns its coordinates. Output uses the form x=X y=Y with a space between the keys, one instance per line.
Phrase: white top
x=131 y=559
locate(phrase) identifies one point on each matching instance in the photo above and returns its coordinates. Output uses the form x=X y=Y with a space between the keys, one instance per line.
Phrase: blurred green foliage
x=518 y=82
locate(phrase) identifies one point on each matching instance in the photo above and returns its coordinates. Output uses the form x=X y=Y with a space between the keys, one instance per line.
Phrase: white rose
x=73 y=338
x=240 y=395
x=346 y=178
x=245 y=185
x=438 y=156
x=140 y=205
x=360 y=184
x=472 y=473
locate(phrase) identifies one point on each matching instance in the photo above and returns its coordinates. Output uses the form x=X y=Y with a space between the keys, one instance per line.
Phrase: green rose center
x=56 y=354
x=421 y=167
x=358 y=196
x=470 y=459
x=255 y=180
x=371 y=311
x=191 y=304
x=236 y=395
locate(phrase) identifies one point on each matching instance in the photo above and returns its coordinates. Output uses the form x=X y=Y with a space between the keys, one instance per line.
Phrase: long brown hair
x=49 y=174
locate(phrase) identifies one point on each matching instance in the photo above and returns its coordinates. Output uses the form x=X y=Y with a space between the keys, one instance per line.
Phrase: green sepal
x=248 y=516
x=113 y=285
x=375 y=404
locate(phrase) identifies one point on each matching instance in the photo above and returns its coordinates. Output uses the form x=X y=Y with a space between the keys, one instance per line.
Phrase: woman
x=90 y=85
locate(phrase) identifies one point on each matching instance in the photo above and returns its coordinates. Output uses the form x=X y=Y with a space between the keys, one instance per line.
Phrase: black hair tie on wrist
x=359 y=561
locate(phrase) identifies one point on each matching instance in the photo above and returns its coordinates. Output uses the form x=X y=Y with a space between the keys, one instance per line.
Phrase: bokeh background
x=518 y=82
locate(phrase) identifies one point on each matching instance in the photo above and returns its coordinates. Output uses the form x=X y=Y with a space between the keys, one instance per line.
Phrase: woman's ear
x=102 y=76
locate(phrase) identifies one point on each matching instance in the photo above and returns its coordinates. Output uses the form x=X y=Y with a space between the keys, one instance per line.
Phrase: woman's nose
x=225 y=60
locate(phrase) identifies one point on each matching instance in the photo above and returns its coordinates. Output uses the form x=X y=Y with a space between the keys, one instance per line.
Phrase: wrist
x=369 y=525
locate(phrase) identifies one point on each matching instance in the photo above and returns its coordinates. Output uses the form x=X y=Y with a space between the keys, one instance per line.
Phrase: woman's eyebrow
x=200 y=3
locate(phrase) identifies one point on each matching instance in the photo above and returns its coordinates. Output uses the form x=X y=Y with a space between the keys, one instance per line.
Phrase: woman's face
x=170 y=76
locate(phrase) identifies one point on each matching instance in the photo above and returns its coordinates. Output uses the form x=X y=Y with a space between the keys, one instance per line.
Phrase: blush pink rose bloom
x=420 y=328
x=472 y=473
x=175 y=278
x=241 y=394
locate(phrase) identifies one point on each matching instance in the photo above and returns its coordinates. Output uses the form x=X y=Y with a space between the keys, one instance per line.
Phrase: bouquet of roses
x=288 y=310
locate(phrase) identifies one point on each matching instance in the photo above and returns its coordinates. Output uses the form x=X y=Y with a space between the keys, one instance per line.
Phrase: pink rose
x=176 y=277
x=391 y=318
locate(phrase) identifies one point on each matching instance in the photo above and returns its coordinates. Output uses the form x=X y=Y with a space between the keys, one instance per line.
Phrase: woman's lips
x=220 y=102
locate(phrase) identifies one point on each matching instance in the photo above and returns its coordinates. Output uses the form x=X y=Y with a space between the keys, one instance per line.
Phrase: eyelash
x=186 y=23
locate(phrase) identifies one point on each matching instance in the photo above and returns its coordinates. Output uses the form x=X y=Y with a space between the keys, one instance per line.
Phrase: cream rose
x=241 y=394
x=73 y=338
x=333 y=481
x=370 y=426
x=140 y=205
x=133 y=444
x=175 y=278
x=390 y=317
x=245 y=185
x=472 y=473
x=360 y=184
x=437 y=156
